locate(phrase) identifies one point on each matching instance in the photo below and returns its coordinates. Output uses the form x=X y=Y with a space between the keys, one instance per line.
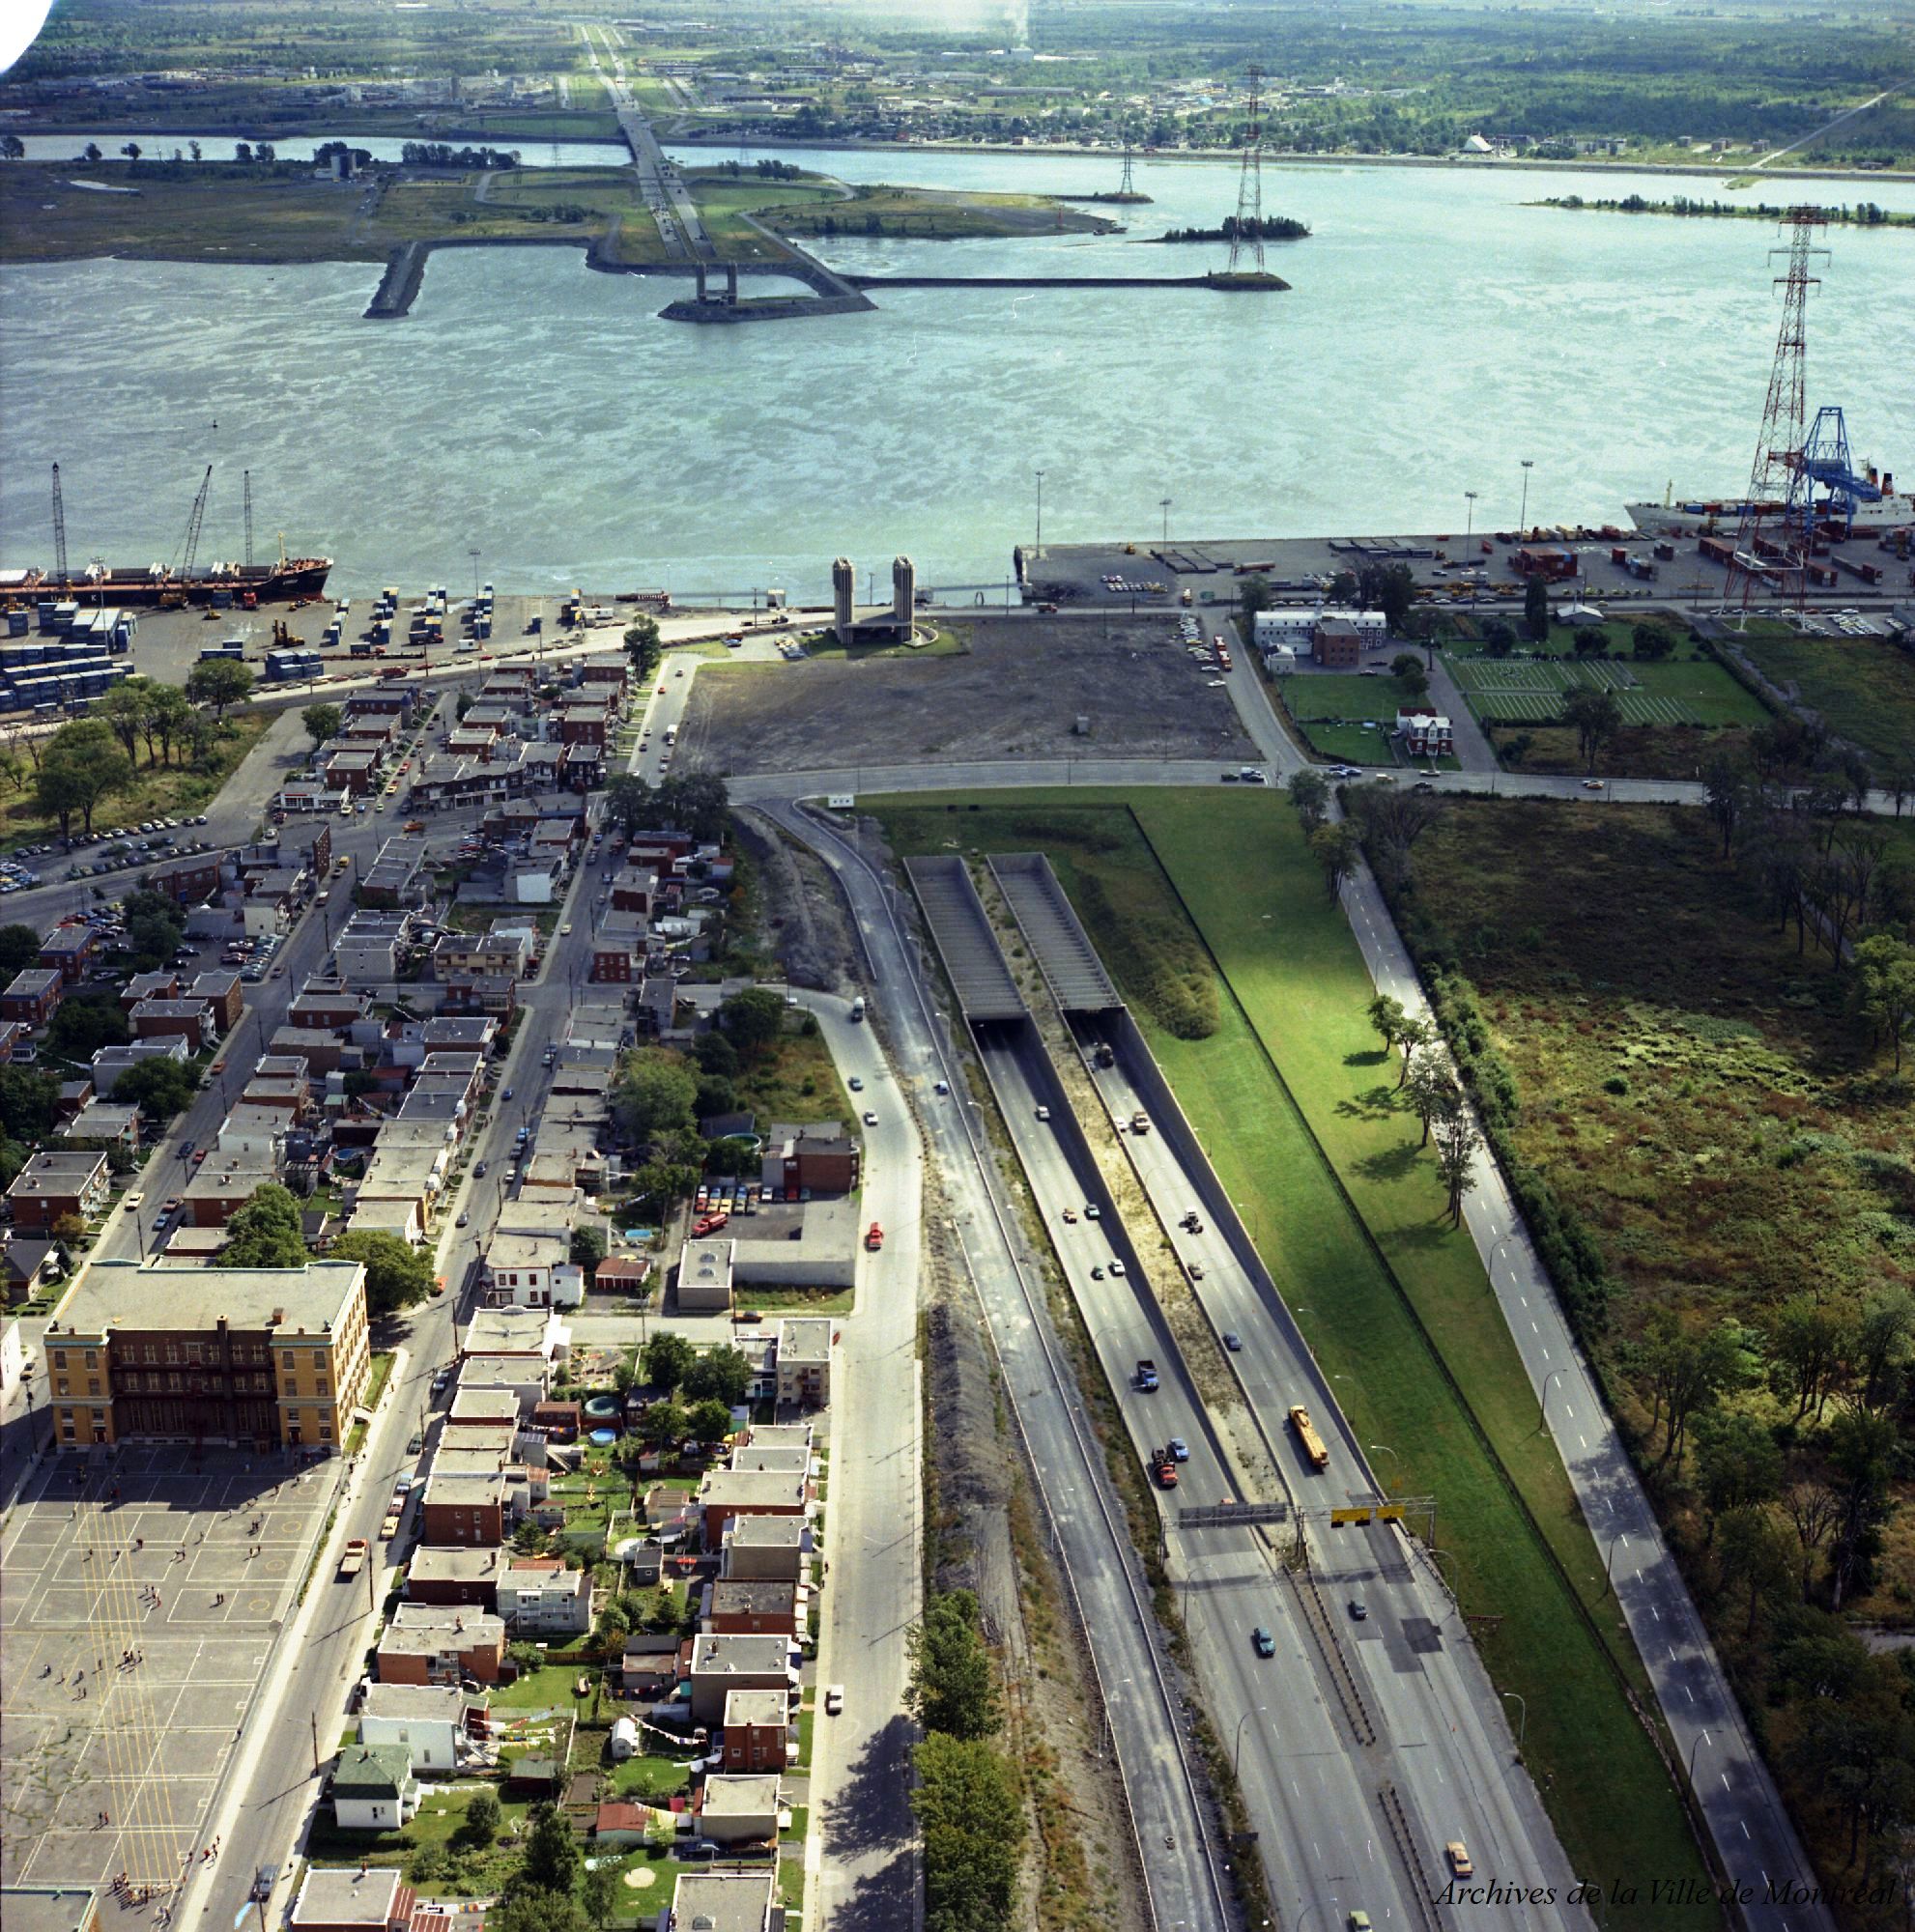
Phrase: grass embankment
x=1295 y=998
x=1863 y=687
x=157 y=790
x=920 y=214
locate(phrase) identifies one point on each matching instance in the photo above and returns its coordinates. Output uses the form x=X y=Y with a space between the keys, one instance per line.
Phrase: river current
x=1439 y=331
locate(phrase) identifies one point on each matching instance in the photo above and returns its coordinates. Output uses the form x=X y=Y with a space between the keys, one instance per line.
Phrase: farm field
x=1863 y=687
x=1297 y=992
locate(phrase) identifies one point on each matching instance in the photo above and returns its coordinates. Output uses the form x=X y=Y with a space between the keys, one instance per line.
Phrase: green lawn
x=1295 y=999
x=547 y=1688
x=1863 y=687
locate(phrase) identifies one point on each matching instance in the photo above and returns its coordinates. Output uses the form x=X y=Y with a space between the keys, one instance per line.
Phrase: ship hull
x=268 y=582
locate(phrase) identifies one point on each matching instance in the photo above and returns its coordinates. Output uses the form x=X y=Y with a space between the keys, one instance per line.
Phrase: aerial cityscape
x=960 y=966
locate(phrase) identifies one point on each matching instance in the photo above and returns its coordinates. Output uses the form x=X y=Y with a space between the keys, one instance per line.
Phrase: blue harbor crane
x=1825 y=461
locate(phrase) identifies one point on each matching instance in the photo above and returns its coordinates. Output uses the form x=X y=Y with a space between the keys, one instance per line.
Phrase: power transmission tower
x=59 y=530
x=1246 y=234
x=1126 y=188
x=1767 y=552
x=248 y=479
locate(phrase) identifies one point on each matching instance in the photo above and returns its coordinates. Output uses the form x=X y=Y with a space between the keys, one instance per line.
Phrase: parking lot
x=145 y=1590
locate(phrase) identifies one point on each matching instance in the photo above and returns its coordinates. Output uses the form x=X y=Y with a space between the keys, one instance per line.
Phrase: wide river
x=1438 y=332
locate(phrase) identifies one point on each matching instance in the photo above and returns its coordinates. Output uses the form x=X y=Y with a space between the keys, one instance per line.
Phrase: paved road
x=1442 y=1736
x=1754 y=1839
x=1309 y=1792
x=1180 y=1862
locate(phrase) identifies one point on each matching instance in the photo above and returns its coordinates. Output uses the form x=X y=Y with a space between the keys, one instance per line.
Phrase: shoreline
x=1205 y=157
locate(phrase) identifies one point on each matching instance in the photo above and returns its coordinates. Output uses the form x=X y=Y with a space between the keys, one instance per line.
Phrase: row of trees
x=697 y=1393
x=697 y=803
x=967 y=1802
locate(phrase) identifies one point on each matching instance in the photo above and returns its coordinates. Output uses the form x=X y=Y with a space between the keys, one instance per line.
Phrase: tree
x=698 y=804
x=1406 y=669
x=1861 y=1454
x=1457 y=1145
x=265 y=1233
x=530 y=1908
x=81 y=764
x=159 y=1088
x=1737 y=1463
x=1309 y=793
x=552 y=1858
x=322 y=722
x=642 y=647
x=599 y=1894
x=398 y=1275
x=630 y=803
x=193 y=149
x=972 y=1821
x=589 y=1248
x=84 y=1022
x=1252 y=596
x=666 y=1360
x=1652 y=641
x=1883 y=1345
x=482 y=1814
x=952 y=1687
x=1689 y=1368
x=614 y=1626
x=663 y=1183
x=1598 y=719
x=27 y=1099
x=1811 y=1509
x=708 y=1421
x=1412 y=1037
x=19 y=948
x=1752 y=1554
x=171 y=717
x=1515 y=750
x=131 y=151
x=715 y=1055
x=11 y=148
x=1431 y=1090
x=662 y=1424
x=1389 y=588
x=91 y=151
x=1536 y=611
x=1334 y=849
x=721 y=1374
x=220 y=682
x=1387 y=1015
x=753 y=1021
x=655 y=1092
x=243 y=151
x=1499 y=637
x=1807 y=1342
x=124 y=710
x=1727 y=793
x=1885 y=989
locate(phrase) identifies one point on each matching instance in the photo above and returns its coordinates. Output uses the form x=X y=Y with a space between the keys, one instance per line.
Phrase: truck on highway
x=1306 y=1435
x=1146 y=1378
x=1140 y=1123
x=858 y=1007
x=874 y=1238
x=354 y=1559
x=1106 y=1055
x=1163 y=1468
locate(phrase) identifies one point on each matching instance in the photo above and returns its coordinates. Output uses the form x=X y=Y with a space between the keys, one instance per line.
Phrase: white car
x=834 y=1701
x=870 y=1118
x=1043 y=1113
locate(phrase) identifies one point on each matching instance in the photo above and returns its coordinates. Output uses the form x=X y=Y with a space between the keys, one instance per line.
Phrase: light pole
x=1528 y=463
x=1523 y=1718
x=1036 y=549
x=1237 y=1747
x=1163 y=504
x=1470 y=516
x=1390 y=1452
x=473 y=551
x=1496 y=1250
x=1542 y=1414
x=1608 y=1580
x=1697 y=1739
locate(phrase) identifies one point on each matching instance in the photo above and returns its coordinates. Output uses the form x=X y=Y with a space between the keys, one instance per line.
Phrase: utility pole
x=1163 y=503
x=1528 y=463
x=1036 y=549
x=315 y=1744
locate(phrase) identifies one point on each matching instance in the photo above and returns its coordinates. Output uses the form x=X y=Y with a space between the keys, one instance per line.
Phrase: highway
x=1170 y=1822
x=1310 y=1791
x=666 y=194
x=1442 y=1730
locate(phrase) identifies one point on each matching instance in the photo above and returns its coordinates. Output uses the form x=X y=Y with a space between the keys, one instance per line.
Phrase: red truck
x=874 y=1238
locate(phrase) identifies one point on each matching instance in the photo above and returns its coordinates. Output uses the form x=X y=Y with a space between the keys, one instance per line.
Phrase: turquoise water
x=1439 y=331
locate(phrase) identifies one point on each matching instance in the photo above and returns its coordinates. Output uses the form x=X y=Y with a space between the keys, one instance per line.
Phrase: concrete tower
x=843 y=595
x=903 y=589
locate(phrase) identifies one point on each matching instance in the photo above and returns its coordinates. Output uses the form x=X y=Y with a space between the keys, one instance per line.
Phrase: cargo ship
x=279 y=581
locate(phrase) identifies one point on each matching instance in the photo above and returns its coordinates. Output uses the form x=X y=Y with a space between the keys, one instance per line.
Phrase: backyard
x=1289 y=1089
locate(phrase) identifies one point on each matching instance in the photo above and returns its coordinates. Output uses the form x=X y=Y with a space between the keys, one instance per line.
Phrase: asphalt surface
x=1182 y=1865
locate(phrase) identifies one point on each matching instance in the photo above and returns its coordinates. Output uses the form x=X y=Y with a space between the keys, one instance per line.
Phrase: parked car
x=834 y=1701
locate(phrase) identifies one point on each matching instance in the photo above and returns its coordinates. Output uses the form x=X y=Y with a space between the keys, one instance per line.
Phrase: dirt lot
x=1014 y=694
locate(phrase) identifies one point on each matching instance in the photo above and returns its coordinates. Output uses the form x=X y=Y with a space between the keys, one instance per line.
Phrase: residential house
x=190 y=1020
x=32 y=995
x=51 y=1187
x=70 y=948
x=542 y=1597
x=722 y=1664
x=223 y=992
x=220 y=1189
x=189 y=881
x=436 y=1574
x=366 y=1898
x=104 y=1127
x=441 y=1643
x=755 y=1547
x=374 y=1789
x=161 y=986
x=532 y=1271
x=26 y=1266
x=430 y=1722
x=724 y=1901
x=803 y=1361
x=465 y=1498
x=1337 y=644
x=739 y=1809
x=110 y=1062
x=821 y=1157
x=758 y=1731
x=1425 y=733
x=724 y=1493
x=739 y=1608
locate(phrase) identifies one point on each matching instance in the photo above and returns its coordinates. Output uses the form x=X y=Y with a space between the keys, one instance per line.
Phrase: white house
x=374 y=1789
x=533 y=1271
x=1296 y=623
x=426 y=1721
x=543 y=1600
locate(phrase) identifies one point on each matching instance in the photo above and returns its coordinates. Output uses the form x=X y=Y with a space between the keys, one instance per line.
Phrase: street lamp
x=1542 y=1414
x=1036 y=549
x=1528 y=463
x=1523 y=1718
x=473 y=551
x=1163 y=504
x=1237 y=1747
x=1496 y=1250
x=1608 y=1580
x=1390 y=1452
x=1470 y=515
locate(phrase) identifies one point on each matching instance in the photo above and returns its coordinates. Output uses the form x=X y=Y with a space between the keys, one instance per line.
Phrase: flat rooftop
x=128 y=1294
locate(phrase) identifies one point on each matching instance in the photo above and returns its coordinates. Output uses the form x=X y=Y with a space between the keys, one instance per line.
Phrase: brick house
x=741 y=1607
x=1426 y=735
x=758 y=1731
x=70 y=948
x=50 y=1186
x=191 y=1020
x=32 y=995
x=187 y=881
x=441 y=1643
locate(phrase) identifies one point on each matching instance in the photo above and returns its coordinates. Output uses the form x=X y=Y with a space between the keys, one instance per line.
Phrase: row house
x=70 y=948
x=33 y=995
x=438 y=1643
x=190 y=1020
x=189 y=881
x=312 y=795
x=54 y=1185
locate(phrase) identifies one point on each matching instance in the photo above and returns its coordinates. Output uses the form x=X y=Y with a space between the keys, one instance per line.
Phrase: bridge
x=961 y=931
x=1049 y=922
